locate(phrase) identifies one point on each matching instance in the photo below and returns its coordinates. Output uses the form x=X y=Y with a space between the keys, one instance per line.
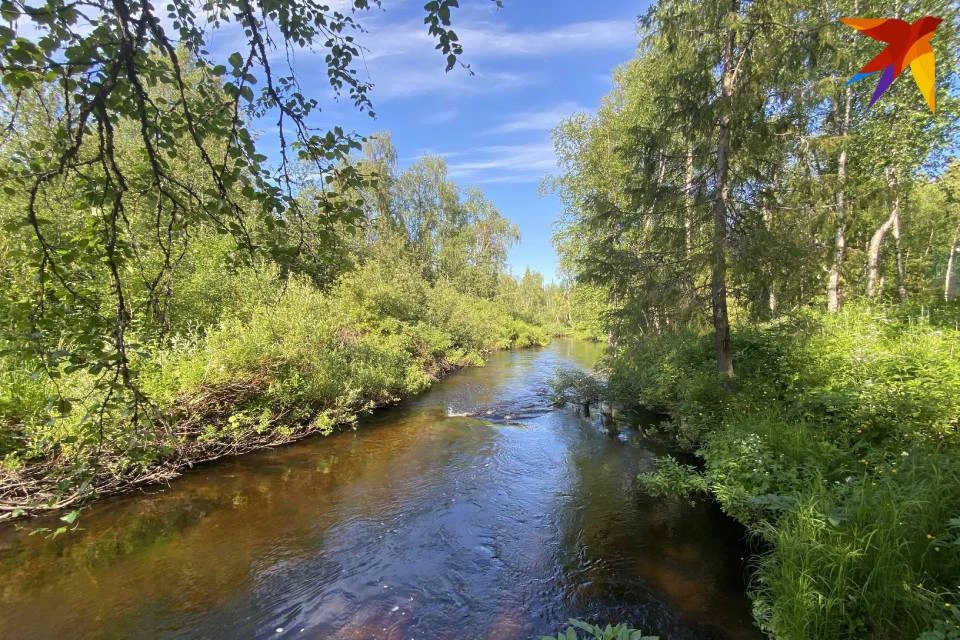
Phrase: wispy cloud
x=440 y=117
x=536 y=120
x=430 y=151
x=230 y=36
x=407 y=81
x=513 y=163
x=403 y=62
x=489 y=41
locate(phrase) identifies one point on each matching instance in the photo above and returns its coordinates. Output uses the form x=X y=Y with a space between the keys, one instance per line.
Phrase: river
x=474 y=511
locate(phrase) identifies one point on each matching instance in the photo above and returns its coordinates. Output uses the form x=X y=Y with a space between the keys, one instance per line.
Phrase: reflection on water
x=474 y=511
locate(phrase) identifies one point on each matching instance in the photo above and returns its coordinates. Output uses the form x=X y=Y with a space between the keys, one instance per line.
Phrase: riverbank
x=839 y=451
x=424 y=522
x=289 y=365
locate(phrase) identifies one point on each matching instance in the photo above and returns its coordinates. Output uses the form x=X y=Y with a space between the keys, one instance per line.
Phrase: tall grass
x=284 y=360
x=838 y=451
x=876 y=557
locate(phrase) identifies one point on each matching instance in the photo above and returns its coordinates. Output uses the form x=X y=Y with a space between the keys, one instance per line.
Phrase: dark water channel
x=475 y=511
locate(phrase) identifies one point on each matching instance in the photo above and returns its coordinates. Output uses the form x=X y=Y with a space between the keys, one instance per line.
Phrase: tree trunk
x=901 y=267
x=770 y=286
x=840 y=235
x=689 y=214
x=718 y=281
x=688 y=202
x=873 y=256
x=893 y=180
x=951 y=285
x=614 y=300
x=892 y=223
x=606 y=419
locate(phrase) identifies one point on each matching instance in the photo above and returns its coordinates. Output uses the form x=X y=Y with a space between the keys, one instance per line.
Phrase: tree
x=951 y=183
x=131 y=96
x=712 y=177
x=688 y=155
x=425 y=218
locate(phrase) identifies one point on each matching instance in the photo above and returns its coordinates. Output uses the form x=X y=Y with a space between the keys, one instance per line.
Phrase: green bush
x=838 y=450
x=370 y=341
x=872 y=555
x=595 y=632
x=283 y=359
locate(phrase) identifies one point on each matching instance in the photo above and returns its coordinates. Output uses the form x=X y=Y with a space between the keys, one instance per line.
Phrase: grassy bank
x=283 y=361
x=838 y=450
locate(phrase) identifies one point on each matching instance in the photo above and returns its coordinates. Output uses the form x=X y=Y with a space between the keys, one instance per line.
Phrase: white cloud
x=439 y=117
x=490 y=41
x=402 y=60
x=230 y=36
x=514 y=163
x=536 y=120
x=392 y=83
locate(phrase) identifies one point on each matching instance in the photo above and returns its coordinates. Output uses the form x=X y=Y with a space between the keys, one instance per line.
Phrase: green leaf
x=64 y=406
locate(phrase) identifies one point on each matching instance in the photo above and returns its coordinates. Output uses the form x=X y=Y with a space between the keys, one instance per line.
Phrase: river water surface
x=474 y=511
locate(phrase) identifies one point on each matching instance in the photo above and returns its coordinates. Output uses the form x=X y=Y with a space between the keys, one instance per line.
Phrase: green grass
x=284 y=360
x=839 y=451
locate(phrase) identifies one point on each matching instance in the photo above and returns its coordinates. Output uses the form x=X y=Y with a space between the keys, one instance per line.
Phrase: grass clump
x=285 y=361
x=596 y=632
x=838 y=451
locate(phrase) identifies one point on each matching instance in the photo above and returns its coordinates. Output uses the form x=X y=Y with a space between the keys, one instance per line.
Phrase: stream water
x=474 y=511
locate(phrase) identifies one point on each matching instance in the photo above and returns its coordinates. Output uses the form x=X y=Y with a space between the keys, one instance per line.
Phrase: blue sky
x=535 y=62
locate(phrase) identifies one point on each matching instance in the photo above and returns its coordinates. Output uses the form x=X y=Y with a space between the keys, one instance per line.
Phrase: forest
x=155 y=316
x=781 y=269
x=771 y=264
x=225 y=352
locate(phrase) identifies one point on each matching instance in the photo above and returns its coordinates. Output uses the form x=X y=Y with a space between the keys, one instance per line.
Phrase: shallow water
x=474 y=511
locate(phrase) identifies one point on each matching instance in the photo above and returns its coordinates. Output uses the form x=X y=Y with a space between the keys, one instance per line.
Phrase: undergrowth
x=838 y=450
x=285 y=360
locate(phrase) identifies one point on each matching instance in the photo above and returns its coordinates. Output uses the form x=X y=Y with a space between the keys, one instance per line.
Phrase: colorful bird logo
x=907 y=44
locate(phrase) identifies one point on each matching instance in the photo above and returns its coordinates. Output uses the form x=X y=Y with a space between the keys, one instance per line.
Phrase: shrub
x=578 y=387
x=839 y=450
x=283 y=359
x=594 y=632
